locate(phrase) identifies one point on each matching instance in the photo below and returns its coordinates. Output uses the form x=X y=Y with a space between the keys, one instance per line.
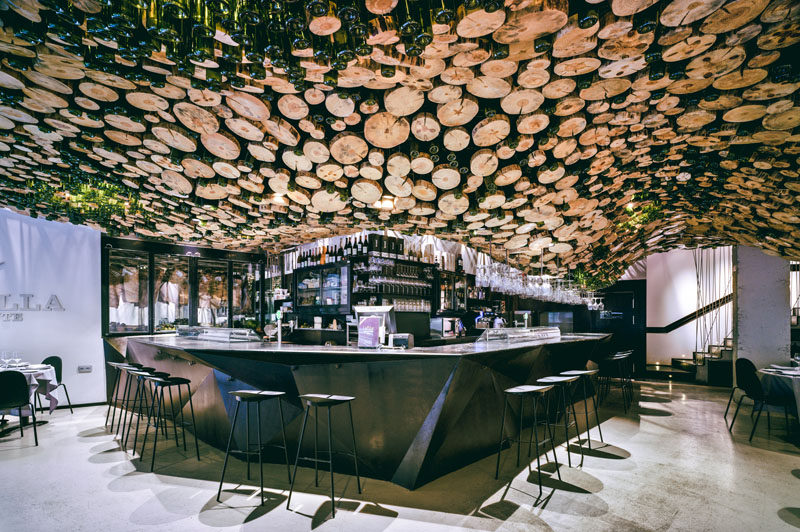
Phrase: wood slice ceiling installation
x=578 y=134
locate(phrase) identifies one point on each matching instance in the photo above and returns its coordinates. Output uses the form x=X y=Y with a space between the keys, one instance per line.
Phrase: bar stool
x=588 y=375
x=257 y=397
x=562 y=384
x=329 y=401
x=115 y=390
x=130 y=379
x=535 y=393
x=154 y=419
x=140 y=400
x=127 y=397
x=121 y=367
x=618 y=365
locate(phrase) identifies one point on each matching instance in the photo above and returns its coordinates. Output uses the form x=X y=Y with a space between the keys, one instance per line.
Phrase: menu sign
x=369 y=331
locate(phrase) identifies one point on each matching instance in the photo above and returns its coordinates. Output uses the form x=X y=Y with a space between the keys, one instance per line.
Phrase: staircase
x=715 y=365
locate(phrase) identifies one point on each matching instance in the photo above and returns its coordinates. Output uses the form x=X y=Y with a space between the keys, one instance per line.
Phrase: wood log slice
x=739 y=79
x=491 y=130
x=633 y=44
x=111 y=80
x=292 y=107
x=532 y=123
x=735 y=14
x=147 y=101
x=174 y=137
x=689 y=47
x=445 y=178
x=221 y=145
x=577 y=66
x=195 y=118
x=453 y=203
x=348 y=148
x=400 y=186
x=784 y=120
x=366 y=190
x=196 y=169
x=508 y=175
x=246 y=105
x=685 y=12
x=488 y=87
x=715 y=63
x=532 y=22
x=478 y=23
x=425 y=127
x=325 y=201
x=241 y=127
x=624 y=8
x=398 y=164
x=329 y=172
x=282 y=130
x=424 y=190
x=456 y=138
x=384 y=130
x=339 y=104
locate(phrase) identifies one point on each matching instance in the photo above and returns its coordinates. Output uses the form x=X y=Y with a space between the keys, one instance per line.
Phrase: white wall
x=672 y=294
x=762 y=307
x=47 y=259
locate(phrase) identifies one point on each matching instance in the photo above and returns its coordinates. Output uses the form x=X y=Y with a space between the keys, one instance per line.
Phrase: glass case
x=128 y=300
x=511 y=335
x=171 y=292
x=307 y=290
x=212 y=294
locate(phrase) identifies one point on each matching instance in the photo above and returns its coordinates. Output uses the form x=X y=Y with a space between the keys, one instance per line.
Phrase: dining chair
x=57 y=364
x=747 y=380
x=14 y=393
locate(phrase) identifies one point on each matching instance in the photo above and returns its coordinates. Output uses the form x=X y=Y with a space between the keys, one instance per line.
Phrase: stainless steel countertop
x=191 y=344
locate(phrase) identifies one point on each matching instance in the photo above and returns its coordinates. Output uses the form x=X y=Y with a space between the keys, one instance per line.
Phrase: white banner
x=50 y=298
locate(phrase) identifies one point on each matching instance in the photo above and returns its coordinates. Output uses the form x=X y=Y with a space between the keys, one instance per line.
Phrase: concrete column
x=761 y=307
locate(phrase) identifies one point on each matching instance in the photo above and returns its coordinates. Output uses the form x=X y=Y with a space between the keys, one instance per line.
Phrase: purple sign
x=369 y=331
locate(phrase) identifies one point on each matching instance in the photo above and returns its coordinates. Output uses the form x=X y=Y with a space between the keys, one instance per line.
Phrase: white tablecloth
x=779 y=384
x=46 y=378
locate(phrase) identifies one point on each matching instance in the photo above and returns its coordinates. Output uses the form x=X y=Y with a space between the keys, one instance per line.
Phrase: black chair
x=14 y=393
x=57 y=364
x=747 y=380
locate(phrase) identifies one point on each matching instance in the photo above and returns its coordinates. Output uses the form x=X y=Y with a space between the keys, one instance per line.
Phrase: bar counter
x=419 y=413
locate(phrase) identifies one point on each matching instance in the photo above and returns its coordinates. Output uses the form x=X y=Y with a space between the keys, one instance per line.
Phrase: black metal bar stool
x=585 y=375
x=563 y=384
x=257 y=397
x=142 y=404
x=154 y=419
x=119 y=402
x=329 y=401
x=618 y=365
x=535 y=393
x=112 y=401
x=127 y=400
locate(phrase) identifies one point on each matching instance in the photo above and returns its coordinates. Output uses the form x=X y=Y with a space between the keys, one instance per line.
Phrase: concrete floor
x=672 y=466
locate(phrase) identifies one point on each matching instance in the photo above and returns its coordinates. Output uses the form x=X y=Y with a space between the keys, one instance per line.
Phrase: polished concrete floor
x=669 y=464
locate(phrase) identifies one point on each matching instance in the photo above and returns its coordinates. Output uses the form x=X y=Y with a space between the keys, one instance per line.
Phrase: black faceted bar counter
x=419 y=413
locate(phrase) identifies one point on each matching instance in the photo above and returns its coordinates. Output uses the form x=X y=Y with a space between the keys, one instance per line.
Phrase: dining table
x=780 y=380
x=41 y=379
